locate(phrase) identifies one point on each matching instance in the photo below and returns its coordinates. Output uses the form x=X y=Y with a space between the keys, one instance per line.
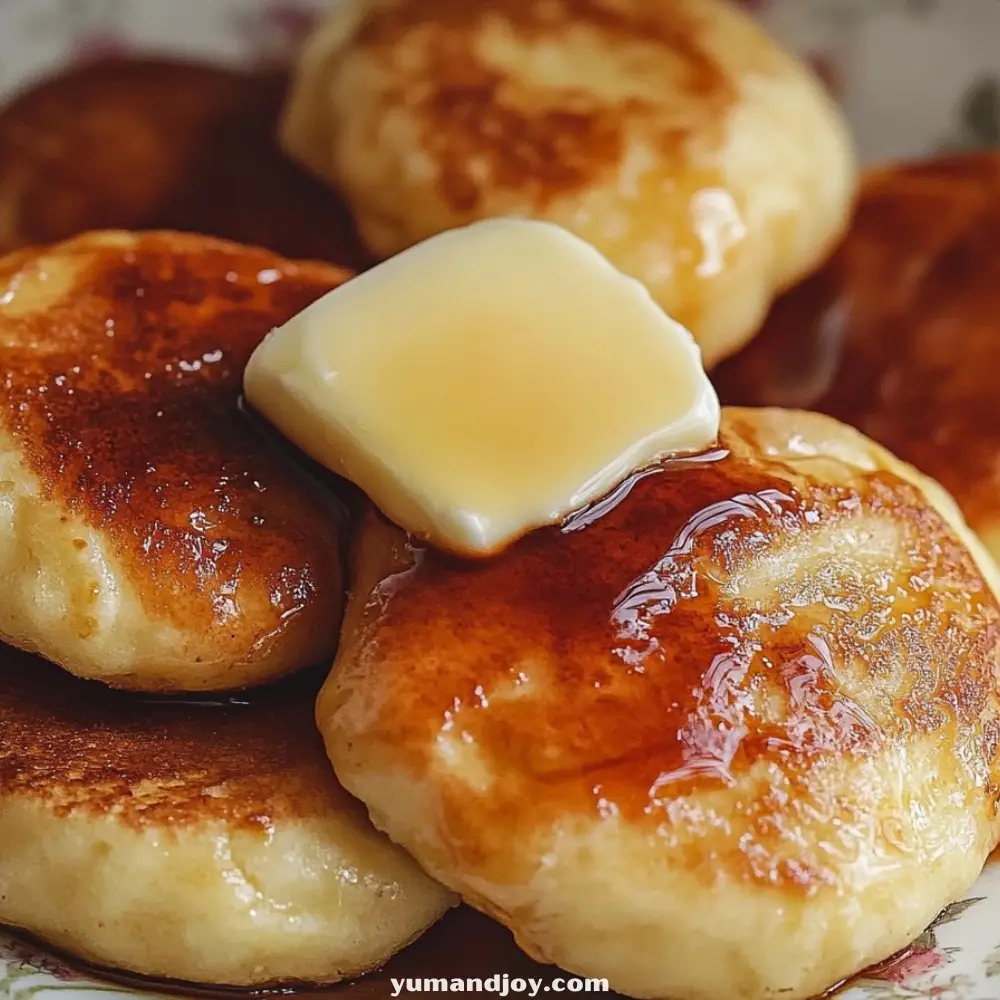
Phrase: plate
x=875 y=57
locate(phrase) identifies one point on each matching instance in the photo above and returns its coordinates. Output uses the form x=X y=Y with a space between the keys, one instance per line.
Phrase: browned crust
x=249 y=762
x=654 y=677
x=899 y=334
x=121 y=394
x=474 y=124
x=151 y=143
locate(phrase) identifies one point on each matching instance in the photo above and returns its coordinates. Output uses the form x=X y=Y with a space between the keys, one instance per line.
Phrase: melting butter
x=486 y=382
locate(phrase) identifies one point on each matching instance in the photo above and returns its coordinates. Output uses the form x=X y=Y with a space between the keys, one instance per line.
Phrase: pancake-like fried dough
x=899 y=334
x=150 y=536
x=204 y=841
x=673 y=135
x=156 y=143
x=732 y=732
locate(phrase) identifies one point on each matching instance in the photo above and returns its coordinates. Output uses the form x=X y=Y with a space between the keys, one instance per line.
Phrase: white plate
x=915 y=77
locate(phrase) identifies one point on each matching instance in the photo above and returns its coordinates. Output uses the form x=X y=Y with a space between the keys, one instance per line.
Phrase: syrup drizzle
x=593 y=512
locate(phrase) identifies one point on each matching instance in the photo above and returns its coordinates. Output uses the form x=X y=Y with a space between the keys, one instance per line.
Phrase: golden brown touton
x=695 y=740
x=150 y=535
x=673 y=135
x=204 y=840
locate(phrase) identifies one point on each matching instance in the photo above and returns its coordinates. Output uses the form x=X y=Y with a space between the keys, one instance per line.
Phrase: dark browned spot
x=249 y=761
x=157 y=143
x=483 y=137
x=701 y=634
x=121 y=387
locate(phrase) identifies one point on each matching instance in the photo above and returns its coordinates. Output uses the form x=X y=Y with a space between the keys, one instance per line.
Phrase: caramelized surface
x=547 y=148
x=899 y=334
x=672 y=135
x=151 y=143
x=205 y=840
x=711 y=617
x=251 y=760
x=123 y=362
x=731 y=732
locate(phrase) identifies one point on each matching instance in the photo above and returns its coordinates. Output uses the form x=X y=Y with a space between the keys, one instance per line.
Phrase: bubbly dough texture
x=202 y=841
x=673 y=135
x=150 y=536
x=730 y=733
x=897 y=333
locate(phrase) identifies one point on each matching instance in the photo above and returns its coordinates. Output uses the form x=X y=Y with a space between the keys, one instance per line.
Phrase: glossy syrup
x=616 y=585
x=466 y=944
x=593 y=512
x=630 y=713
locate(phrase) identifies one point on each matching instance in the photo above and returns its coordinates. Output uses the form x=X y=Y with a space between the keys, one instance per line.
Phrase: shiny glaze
x=898 y=333
x=734 y=627
x=158 y=143
x=81 y=747
x=123 y=362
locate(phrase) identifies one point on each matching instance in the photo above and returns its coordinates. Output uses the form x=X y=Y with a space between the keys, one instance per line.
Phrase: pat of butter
x=486 y=382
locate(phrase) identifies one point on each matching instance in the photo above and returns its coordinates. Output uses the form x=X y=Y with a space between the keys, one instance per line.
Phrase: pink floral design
x=30 y=957
x=954 y=988
x=911 y=964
